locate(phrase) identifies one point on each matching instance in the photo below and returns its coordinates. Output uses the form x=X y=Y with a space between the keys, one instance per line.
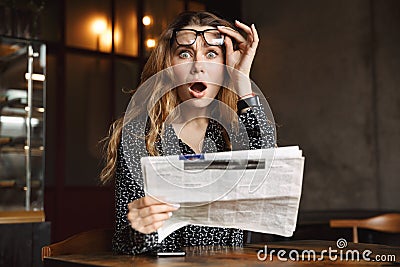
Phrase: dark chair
x=388 y=223
x=93 y=241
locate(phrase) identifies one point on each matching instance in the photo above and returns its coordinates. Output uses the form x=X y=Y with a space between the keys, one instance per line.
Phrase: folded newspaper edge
x=263 y=199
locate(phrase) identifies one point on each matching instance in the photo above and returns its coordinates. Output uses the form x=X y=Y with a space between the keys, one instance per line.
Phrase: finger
x=143 y=202
x=140 y=223
x=232 y=33
x=154 y=209
x=228 y=45
x=256 y=40
x=245 y=28
x=150 y=228
x=226 y=29
x=155 y=218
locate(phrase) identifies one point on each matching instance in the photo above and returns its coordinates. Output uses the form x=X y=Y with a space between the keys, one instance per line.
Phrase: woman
x=196 y=45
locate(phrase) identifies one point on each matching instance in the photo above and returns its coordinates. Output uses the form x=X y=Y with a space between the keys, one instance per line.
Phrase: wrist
x=248 y=95
x=242 y=86
x=248 y=102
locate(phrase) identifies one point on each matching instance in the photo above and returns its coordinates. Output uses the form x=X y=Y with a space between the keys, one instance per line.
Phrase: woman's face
x=198 y=67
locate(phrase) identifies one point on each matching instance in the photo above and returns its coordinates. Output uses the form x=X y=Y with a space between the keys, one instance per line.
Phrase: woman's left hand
x=242 y=58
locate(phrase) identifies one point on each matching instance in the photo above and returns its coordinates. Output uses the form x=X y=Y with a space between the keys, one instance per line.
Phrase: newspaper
x=255 y=190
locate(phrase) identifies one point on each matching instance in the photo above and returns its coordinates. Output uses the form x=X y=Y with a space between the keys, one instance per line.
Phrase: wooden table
x=246 y=256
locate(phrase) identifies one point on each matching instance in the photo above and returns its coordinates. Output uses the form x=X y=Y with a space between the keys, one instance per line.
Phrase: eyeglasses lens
x=214 y=37
x=185 y=37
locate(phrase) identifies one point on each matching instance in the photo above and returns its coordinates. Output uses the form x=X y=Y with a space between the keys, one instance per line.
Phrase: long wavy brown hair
x=160 y=108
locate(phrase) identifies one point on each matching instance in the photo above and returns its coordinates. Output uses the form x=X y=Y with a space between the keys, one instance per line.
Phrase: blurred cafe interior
x=329 y=70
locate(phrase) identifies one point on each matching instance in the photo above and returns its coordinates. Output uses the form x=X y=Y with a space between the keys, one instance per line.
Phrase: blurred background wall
x=330 y=70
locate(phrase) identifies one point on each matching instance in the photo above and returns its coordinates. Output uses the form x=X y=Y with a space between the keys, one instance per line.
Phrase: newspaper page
x=255 y=190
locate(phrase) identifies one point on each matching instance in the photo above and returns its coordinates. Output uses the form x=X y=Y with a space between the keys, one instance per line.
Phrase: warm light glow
x=150 y=43
x=99 y=26
x=147 y=20
x=35 y=77
x=117 y=36
x=106 y=39
x=38 y=109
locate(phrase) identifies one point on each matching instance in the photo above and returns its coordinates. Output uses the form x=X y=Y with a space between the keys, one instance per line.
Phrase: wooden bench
x=388 y=223
x=92 y=241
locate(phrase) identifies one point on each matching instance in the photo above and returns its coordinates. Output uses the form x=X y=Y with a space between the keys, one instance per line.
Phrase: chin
x=200 y=103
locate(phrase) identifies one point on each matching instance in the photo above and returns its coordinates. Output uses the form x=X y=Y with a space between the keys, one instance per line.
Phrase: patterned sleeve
x=128 y=187
x=259 y=130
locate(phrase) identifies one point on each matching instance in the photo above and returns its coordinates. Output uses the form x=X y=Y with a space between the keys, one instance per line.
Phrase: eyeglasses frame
x=197 y=34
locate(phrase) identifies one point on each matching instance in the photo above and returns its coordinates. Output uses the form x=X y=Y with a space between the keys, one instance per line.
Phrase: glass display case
x=22 y=126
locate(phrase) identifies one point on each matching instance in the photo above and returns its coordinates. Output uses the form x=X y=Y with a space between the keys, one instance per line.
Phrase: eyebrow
x=204 y=44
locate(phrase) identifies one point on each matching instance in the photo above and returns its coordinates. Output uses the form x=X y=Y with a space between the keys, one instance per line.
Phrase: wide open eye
x=184 y=54
x=211 y=54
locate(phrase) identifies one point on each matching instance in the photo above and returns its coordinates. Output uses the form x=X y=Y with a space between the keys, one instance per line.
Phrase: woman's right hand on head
x=146 y=214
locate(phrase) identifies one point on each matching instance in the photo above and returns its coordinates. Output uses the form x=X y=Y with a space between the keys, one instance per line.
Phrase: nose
x=197 y=64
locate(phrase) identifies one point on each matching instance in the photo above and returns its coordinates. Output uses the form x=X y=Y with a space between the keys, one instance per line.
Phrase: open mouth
x=197 y=89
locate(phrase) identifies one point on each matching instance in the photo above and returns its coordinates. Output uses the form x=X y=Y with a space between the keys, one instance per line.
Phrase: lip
x=197 y=94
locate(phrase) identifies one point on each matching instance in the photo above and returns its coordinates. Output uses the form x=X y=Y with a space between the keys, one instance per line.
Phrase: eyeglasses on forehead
x=188 y=37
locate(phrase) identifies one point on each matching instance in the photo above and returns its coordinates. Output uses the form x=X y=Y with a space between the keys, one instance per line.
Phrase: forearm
x=259 y=131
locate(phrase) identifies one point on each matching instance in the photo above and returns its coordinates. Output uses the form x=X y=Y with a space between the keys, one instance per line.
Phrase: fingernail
x=176 y=205
x=237 y=21
x=170 y=214
x=220 y=27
